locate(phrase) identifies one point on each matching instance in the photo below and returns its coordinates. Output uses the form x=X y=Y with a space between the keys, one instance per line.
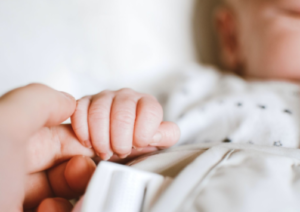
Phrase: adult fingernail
x=156 y=139
x=87 y=144
x=69 y=96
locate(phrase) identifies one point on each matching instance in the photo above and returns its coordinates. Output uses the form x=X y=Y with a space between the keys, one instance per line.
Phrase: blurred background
x=85 y=46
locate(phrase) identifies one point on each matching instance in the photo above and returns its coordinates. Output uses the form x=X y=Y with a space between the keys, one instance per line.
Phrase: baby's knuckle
x=126 y=91
x=101 y=147
x=151 y=115
x=78 y=127
x=130 y=102
x=106 y=92
x=123 y=117
x=153 y=111
x=151 y=97
x=173 y=134
x=141 y=139
x=98 y=113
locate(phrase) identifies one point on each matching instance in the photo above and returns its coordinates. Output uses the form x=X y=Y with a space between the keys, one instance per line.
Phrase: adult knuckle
x=37 y=88
x=36 y=85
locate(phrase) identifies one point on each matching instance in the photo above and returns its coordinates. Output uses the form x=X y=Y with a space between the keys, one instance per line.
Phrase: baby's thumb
x=167 y=135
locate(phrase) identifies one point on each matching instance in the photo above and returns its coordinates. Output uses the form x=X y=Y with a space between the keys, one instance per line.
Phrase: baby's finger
x=149 y=116
x=122 y=121
x=80 y=121
x=167 y=135
x=99 y=123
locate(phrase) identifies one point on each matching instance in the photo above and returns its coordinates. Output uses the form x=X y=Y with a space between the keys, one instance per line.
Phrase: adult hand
x=38 y=157
x=42 y=163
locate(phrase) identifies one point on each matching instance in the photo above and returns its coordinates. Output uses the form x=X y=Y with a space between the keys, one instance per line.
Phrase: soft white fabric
x=228 y=178
x=210 y=106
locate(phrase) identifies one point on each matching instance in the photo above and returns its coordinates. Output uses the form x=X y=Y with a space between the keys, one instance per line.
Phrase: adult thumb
x=23 y=112
x=27 y=109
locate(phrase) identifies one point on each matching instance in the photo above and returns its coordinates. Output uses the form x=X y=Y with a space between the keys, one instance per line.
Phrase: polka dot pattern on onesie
x=216 y=107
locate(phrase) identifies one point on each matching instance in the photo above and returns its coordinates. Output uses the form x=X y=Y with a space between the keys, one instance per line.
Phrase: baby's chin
x=281 y=74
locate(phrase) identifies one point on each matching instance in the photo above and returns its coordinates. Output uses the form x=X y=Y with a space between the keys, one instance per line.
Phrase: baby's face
x=267 y=34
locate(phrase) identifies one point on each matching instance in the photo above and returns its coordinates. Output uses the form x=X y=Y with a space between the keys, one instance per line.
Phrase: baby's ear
x=226 y=27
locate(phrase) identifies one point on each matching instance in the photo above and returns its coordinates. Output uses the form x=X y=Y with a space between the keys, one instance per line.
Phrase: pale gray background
x=84 y=46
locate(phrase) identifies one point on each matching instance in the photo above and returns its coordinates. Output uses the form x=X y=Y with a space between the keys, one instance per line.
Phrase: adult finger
x=167 y=135
x=149 y=115
x=78 y=173
x=123 y=114
x=80 y=121
x=55 y=205
x=29 y=108
x=37 y=188
x=99 y=123
x=69 y=180
x=51 y=146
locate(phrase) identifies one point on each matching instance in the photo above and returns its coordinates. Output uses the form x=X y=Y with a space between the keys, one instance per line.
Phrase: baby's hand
x=117 y=121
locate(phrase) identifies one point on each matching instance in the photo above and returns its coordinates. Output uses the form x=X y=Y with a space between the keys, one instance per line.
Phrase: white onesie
x=210 y=106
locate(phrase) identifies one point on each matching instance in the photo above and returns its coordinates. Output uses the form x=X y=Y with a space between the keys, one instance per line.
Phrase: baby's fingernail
x=123 y=156
x=107 y=156
x=137 y=149
x=156 y=139
x=87 y=144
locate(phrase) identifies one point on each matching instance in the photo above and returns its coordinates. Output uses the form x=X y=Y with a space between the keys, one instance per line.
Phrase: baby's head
x=261 y=38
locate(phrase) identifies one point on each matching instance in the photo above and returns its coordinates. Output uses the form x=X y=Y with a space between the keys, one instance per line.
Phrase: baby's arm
x=114 y=122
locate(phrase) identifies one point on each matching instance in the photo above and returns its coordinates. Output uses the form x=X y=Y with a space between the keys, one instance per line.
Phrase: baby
x=260 y=39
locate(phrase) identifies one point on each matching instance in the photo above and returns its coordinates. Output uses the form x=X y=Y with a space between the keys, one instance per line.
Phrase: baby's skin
x=261 y=38
x=115 y=122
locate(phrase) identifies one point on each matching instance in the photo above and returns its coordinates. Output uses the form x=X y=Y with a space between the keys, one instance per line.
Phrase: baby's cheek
x=276 y=55
x=283 y=56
